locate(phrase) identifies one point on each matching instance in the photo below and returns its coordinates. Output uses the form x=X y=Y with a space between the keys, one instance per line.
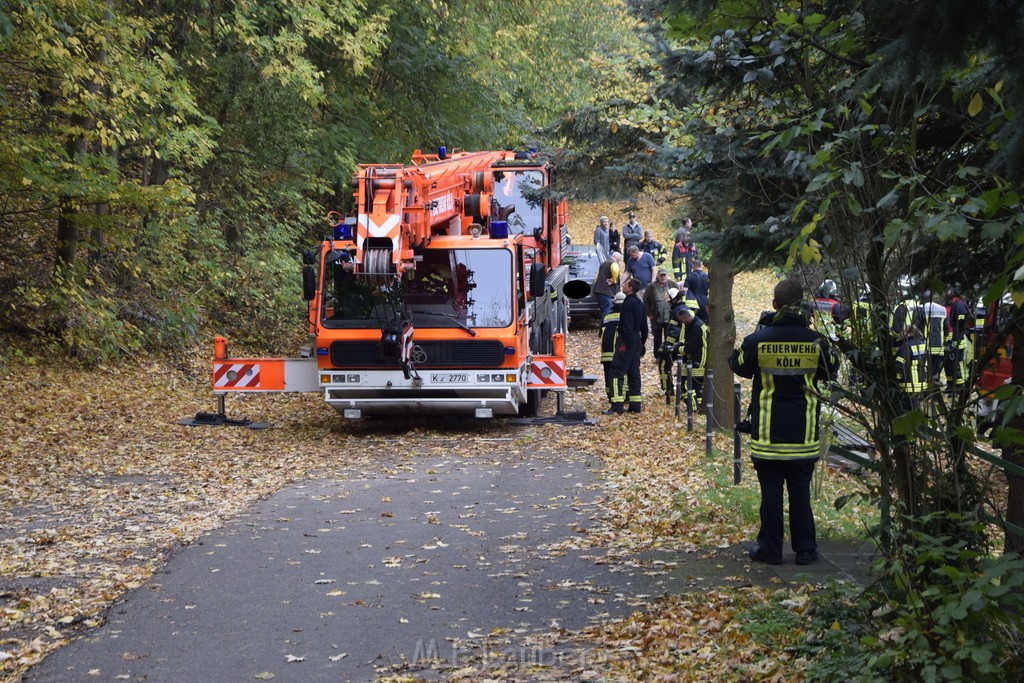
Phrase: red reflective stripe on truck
x=246 y=375
x=555 y=375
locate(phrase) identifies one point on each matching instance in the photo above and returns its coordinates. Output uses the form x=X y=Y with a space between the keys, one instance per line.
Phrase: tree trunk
x=102 y=207
x=1014 y=453
x=721 y=337
x=68 y=220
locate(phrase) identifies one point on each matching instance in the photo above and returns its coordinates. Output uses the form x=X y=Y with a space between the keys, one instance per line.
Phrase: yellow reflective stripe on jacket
x=810 y=423
x=700 y=364
x=913 y=372
x=765 y=409
x=609 y=341
x=783 y=451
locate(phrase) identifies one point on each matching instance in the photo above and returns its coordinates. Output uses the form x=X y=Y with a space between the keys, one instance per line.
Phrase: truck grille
x=463 y=353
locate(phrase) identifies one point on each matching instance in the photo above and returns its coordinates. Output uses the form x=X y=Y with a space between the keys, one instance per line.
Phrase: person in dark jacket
x=653 y=247
x=614 y=237
x=698 y=285
x=668 y=354
x=625 y=370
x=786 y=360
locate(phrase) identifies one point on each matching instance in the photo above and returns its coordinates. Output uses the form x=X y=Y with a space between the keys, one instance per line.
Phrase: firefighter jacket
x=785 y=360
x=933 y=317
x=672 y=344
x=905 y=314
x=956 y=316
x=682 y=255
x=698 y=285
x=862 y=331
x=609 y=335
x=980 y=322
x=912 y=366
x=633 y=328
x=695 y=347
x=655 y=249
x=691 y=301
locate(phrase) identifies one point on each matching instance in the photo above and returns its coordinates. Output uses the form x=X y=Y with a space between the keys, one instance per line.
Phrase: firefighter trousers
x=955 y=364
x=625 y=372
x=666 y=367
x=608 y=384
x=795 y=477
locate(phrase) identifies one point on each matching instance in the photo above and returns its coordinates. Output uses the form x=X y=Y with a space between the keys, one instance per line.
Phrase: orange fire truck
x=443 y=295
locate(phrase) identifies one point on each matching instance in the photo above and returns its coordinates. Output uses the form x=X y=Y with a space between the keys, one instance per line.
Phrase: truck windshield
x=516 y=201
x=449 y=288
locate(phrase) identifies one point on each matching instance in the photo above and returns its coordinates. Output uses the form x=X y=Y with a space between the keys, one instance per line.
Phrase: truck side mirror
x=308 y=283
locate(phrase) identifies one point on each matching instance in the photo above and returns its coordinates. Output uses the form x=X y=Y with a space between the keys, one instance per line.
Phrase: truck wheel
x=532 y=405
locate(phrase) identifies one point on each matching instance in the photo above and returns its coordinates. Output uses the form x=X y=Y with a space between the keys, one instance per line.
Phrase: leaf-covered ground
x=99 y=486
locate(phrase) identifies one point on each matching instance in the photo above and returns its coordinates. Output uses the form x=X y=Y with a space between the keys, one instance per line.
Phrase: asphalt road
x=437 y=565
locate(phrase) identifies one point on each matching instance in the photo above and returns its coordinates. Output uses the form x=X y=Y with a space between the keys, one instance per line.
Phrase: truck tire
x=532 y=405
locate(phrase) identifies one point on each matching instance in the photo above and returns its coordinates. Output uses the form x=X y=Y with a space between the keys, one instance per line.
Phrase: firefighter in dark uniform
x=786 y=360
x=609 y=336
x=694 y=349
x=630 y=347
x=958 y=346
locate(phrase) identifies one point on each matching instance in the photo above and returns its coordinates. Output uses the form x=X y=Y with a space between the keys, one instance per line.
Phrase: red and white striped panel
x=547 y=373
x=236 y=375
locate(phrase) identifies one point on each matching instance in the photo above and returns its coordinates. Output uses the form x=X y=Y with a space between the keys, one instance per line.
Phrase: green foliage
x=951 y=612
x=769 y=623
x=171 y=159
x=955 y=616
x=89 y=327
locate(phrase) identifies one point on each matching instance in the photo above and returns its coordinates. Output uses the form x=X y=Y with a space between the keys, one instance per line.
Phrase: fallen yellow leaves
x=98 y=486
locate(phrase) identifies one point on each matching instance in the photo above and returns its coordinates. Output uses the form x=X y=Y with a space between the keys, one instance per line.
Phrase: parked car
x=583 y=261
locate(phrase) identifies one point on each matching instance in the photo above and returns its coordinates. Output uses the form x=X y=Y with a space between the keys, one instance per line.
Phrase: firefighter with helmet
x=693 y=349
x=829 y=314
x=609 y=339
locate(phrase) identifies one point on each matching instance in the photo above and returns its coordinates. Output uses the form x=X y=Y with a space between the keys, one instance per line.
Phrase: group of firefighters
x=670 y=307
x=931 y=341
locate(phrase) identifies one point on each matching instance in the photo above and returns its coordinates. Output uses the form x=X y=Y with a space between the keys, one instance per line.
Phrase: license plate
x=448 y=377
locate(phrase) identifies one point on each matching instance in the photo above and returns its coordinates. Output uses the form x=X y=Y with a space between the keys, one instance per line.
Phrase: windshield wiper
x=451 y=317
